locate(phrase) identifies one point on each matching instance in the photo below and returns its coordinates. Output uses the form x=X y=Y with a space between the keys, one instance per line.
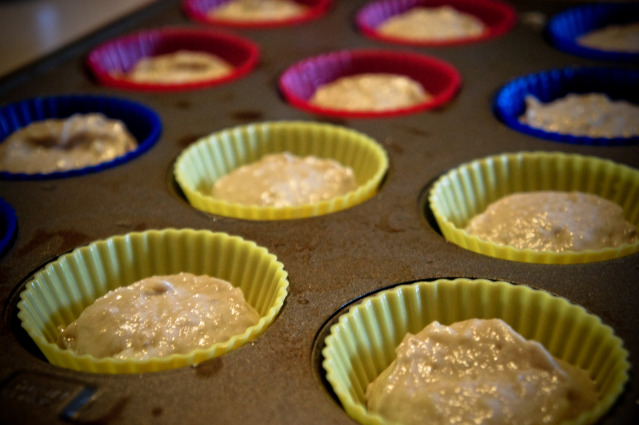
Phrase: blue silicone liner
x=618 y=84
x=8 y=225
x=564 y=28
x=141 y=121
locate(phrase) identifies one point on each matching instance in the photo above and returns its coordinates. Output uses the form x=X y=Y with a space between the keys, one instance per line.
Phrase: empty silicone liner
x=564 y=29
x=467 y=190
x=298 y=83
x=57 y=294
x=8 y=225
x=617 y=84
x=362 y=343
x=498 y=18
x=110 y=61
x=201 y=164
x=140 y=120
x=199 y=10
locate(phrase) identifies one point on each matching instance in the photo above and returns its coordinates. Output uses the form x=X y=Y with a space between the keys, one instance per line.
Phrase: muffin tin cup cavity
x=8 y=225
x=299 y=82
x=198 y=11
x=204 y=162
x=616 y=83
x=564 y=28
x=362 y=343
x=65 y=287
x=499 y=18
x=467 y=190
x=141 y=121
x=111 y=60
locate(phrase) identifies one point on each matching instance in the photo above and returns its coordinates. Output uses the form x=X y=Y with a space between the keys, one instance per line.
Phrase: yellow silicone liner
x=57 y=294
x=201 y=164
x=466 y=191
x=362 y=343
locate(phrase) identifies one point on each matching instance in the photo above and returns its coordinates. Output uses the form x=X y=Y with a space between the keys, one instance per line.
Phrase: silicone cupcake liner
x=299 y=82
x=141 y=121
x=59 y=292
x=198 y=11
x=467 y=190
x=112 y=59
x=362 y=343
x=499 y=18
x=8 y=225
x=564 y=28
x=617 y=84
x=200 y=165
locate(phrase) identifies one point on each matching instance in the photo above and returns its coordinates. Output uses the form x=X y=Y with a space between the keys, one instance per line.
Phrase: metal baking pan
x=332 y=260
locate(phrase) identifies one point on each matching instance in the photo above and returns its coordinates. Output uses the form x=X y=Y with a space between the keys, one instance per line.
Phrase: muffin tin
x=332 y=261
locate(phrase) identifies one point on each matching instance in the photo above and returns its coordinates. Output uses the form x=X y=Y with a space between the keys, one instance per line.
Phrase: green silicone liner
x=362 y=343
x=466 y=191
x=57 y=294
x=201 y=164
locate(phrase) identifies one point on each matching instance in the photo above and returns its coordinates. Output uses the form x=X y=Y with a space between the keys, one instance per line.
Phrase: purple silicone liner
x=115 y=57
x=618 y=84
x=141 y=121
x=299 y=82
x=498 y=17
x=198 y=10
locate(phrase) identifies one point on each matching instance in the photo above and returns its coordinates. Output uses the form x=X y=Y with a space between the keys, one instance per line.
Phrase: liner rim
x=211 y=205
x=248 y=48
x=543 y=79
x=508 y=19
x=9 y=219
x=16 y=115
x=194 y=9
x=401 y=59
x=87 y=363
x=357 y=410
x=473 y=243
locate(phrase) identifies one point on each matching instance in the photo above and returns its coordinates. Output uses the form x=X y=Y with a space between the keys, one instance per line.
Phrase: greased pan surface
x=331 y=260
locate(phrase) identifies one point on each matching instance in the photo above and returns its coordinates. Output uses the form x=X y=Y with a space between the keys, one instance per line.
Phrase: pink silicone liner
x=498 y=17
x=121 y=54
x=298 y=83
x=198 y=9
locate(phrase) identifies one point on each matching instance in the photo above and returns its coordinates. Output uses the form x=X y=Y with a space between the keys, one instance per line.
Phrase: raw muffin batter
x=159 y=316
x=65 y=144
x=370 y=92
x=284 y=180
x=479 y=372
x=179 y=67
x=591 y=115
x=554 y=221
x=614 y=38
x=258 y=10
x=432 y=23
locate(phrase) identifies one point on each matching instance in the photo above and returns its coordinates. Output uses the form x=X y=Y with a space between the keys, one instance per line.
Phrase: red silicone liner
x=121 y=54
x=198 y=9
x=298 y=83
x=498 y=17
